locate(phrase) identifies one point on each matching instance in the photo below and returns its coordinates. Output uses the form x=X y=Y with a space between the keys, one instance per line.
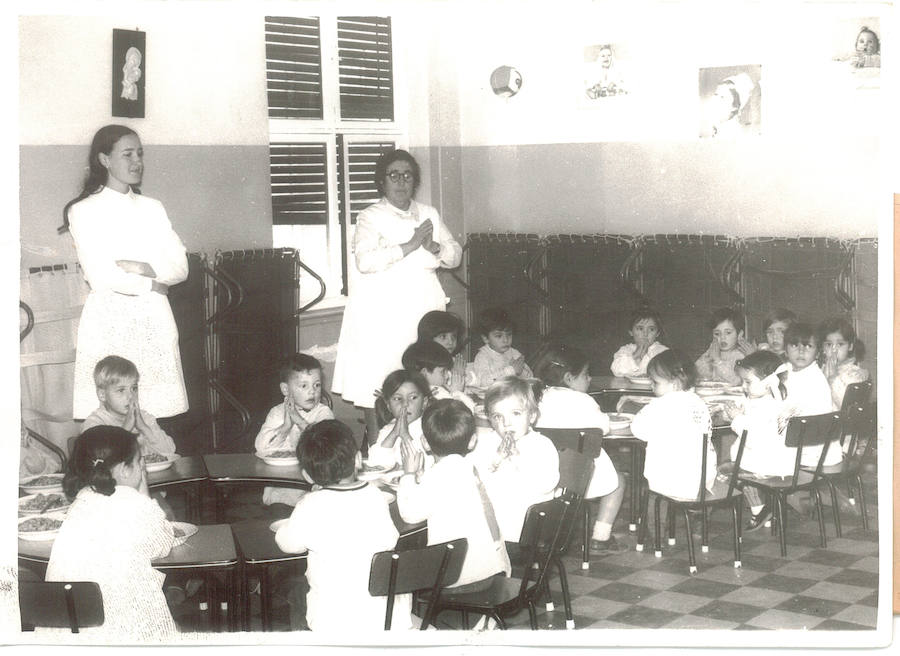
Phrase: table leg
x=635 y=490
x=265 y=599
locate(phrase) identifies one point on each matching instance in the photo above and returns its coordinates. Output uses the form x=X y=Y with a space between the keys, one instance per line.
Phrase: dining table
x=187 y=474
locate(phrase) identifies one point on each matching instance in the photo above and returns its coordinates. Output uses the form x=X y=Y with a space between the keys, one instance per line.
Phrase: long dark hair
x=103 y=142
x=97 y=450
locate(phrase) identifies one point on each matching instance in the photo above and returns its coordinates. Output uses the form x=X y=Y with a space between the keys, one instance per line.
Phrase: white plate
x=278 y=462
x=35 y=511
x=186 y=529
x=639 y=380
x=370 y=473
x=159 y=466
x=713 y=384
x=619 y=420
x=277 y=524
x=30 y=488
x=40 y=536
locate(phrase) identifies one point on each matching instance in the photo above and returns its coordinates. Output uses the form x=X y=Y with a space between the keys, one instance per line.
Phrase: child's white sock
x=756 y=509
x=602 y=531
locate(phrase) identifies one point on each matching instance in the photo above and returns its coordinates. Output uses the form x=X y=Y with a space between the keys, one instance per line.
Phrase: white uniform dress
x=111 y=540
x=121 y=315
x=389 y=294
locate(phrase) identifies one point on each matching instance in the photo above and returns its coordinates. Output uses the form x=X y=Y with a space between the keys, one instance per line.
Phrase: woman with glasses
x=398 y=246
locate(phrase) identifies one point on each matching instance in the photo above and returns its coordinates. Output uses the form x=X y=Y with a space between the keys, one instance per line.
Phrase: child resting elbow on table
x=300 y=383
x=342 y=524
x=673 y=425
x=632 y=359
x=112 y=531
x=451 y=497
x=565 y=404
x=518 y=466
x=727 y=347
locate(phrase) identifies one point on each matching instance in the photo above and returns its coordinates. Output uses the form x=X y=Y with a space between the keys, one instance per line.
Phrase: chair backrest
x=859 y=425
x=735 y=470
x=60 y=604
x=575 y=471
x=856 y=394
x=582 y=440
x=399 y=572
x=812 y=430
x=545 y=532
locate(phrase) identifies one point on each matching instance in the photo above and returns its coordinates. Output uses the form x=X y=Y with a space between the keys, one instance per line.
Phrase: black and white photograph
x=359 y=330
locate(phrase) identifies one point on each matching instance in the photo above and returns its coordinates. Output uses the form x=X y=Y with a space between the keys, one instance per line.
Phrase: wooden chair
x=546 y=523
x=706 y=500
x=60 y=604
x=859 y=429
x=401 y=572
x=802 y=432
x=587 y=441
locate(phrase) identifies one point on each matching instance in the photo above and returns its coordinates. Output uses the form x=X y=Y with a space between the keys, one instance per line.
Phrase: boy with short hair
x=300 y=383
x=450 y=496
x=435 y=364
x=497 y=358
x=343 y=522
x=117 y=379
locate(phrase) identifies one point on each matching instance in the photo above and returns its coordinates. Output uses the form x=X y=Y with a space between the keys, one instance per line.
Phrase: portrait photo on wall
x=604 y=72
x=129 y=72
x=856 y=47
x=730 y=101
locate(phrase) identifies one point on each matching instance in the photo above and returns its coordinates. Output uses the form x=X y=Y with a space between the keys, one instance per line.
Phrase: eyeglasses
x=396 y=176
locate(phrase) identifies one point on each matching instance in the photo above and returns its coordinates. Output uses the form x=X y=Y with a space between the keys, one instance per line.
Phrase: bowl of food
x=183 y=531
x=280 y=458
x=154 y=462
x=42 y=483
x=36 y=504
x=619 y=420
x=38 y=528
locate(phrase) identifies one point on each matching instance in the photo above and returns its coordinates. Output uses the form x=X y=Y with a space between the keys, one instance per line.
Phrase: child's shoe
x=758 y=520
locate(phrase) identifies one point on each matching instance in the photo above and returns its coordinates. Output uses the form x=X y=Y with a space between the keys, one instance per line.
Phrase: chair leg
x=704 y=542
x=736 y=525
x=835 y=508
x=532 y=616
x=821 y=517
x=657 y=521
x=645 y=506
x=465 y=619
x=586 y=541
x=692 y=561
x=862 y=504
x=567 y=599
x=502 y=623
x=780 y=503
x=670 y=523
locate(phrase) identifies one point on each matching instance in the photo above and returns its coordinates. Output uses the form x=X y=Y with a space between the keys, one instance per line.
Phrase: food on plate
x=38 y=524
x=42 y=502
x=177 y=532
x=284 y=453
x=151 y=458
x=46 y=481
x=619 y=418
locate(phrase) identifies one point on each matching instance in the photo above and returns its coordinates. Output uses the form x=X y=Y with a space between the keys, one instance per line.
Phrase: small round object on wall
x=506 y=81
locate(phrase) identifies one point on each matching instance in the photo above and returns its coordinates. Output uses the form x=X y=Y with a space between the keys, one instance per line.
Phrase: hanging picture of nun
x=129 y=71
x=604 y=75
x=730 y=101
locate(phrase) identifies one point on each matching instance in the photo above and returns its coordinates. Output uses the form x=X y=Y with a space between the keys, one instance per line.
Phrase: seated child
x=808 y=391
x=841 y=354
x=774 y=325
x=113 y=530
x=399 y=406
x=448 y=330
x=301 y=387
x=673 y=425
x=497 y=358
x=765 y=454
x=451 y=497
x=117 y=389
x=727 y=347
x=632 y=359
x=433 y=361
x=566 y=404
x=518 y=466
x=342 y=523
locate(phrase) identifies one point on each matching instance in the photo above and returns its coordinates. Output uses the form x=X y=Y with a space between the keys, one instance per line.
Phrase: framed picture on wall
x=129 y=68
x=730 y=101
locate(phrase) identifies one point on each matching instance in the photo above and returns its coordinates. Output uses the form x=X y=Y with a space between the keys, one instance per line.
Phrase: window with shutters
x=332 y=113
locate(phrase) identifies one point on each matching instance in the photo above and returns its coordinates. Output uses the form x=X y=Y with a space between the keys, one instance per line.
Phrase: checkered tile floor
x=835 y=588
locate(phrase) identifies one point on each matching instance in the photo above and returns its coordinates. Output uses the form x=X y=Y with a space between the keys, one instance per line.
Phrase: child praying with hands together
x=727 y=347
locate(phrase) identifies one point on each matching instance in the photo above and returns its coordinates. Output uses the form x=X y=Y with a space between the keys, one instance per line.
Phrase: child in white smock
x=632 y=359
x=404 y=396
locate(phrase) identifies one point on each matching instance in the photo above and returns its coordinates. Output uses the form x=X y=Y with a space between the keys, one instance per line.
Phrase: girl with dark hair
x=398 y=246
x=130 y=256
x=111 y=533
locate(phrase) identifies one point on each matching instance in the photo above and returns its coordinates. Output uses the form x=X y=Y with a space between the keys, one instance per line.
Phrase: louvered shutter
x=294 y=67
x=299 y=183
x=365 y=68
